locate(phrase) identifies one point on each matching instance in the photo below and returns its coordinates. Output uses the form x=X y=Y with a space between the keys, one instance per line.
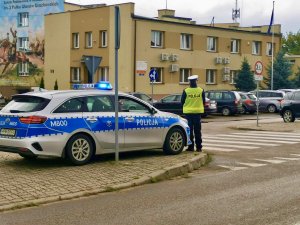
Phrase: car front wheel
x=174 y=142
x=271 y=108
x=226 y=111
x=79 y=149
x=288 y=116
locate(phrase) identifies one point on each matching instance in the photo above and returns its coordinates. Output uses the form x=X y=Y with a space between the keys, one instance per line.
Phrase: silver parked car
x=77 y=124
x=269 y=100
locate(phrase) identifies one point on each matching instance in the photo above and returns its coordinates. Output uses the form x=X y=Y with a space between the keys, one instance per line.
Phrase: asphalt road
x=227 y=191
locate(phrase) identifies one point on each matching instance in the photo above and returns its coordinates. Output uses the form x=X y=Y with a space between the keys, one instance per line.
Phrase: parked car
x=269 y=100
x=228 y=102
x=143 y=96
x=77 y=124
x=249 y=102
x=172 y=103
x=290 y=106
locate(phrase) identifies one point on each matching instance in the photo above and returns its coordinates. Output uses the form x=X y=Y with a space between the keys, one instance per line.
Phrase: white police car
x=77 y=124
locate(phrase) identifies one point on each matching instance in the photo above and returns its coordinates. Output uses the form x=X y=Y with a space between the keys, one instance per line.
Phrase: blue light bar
x=102 y=85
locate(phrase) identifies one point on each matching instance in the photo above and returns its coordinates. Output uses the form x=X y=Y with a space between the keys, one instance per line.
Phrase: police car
x=77 y=124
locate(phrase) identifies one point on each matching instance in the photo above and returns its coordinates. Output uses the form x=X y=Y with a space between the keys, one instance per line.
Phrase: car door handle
x=92 y=119
x=129 y=119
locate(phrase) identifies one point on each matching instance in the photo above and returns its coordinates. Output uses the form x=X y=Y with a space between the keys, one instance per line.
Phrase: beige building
x=295 y=62
x=175 y=47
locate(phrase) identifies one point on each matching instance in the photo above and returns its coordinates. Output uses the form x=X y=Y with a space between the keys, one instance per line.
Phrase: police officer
x=193 y=99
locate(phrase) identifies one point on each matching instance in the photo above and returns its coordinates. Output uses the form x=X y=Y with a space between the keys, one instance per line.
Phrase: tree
x=42 y=84
x=55 y=85
x=244 y=80
x=291 y=43
x=281 y=72
x=296 y=80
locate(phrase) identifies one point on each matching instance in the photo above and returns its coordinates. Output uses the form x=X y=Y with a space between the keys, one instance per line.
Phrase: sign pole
x=258 y=76
x=152 y=91
x=257 y=104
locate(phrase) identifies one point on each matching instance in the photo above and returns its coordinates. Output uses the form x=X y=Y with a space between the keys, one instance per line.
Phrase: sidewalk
x=30 y=183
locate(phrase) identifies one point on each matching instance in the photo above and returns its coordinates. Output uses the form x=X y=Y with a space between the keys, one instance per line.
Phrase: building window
x=211 y=76
x=212 y=44
x=186 y=41
x=156 y=39
x=233 y=76
x=104 y=75
x=75 y=40
x=23 y=69
x=75 y=74
x=269 y=49
x=23 y=43
x=159 y=71
x=23 y=19
x=88 y=40
x=103 y=36
x=256 y=45
x=184 y=74
x=235 y=46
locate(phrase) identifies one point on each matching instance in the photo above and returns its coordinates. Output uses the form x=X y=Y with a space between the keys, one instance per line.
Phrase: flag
x=272 y=20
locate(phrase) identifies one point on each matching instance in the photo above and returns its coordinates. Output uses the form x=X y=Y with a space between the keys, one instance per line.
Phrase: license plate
x=7 y=132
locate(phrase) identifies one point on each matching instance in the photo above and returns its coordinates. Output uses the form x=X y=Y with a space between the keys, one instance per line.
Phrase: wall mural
x=22 y=40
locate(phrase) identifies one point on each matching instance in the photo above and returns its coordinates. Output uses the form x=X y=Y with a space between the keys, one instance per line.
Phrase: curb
x=163 y=174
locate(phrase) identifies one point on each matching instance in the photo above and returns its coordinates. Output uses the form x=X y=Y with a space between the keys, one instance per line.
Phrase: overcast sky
x=253 y=12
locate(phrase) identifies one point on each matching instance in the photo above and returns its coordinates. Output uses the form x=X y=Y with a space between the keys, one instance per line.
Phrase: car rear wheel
x=271 y=108
x=243 y=110
x=79 y=149
x=174 y=142
x=288 y=116
x=226 y=111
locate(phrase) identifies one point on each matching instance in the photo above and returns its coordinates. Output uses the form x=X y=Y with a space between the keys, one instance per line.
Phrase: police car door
x=143 y=129
x=100 y=117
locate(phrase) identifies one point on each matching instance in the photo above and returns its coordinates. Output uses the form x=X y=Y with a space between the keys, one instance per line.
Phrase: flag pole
x=272 y=69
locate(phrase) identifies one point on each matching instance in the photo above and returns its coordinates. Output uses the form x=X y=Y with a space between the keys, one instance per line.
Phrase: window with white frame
x=23 y=69
x=186 y=41
x=184 y=74
x=212 y=44
x=156 y=39
x=104 y=75
x=159 y=71
x=23 y=19
x=103 y=41
x=88 y=40
x=23 y=43
x=269 y=49
x=75 y=74
x=235 y=46
x=211 y=76
x=256 y=46
x=233 y=76
x=75 y=40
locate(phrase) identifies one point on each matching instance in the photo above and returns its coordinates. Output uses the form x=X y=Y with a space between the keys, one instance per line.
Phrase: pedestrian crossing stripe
x=232 y=146
x=268 y=135
x=279 y=139
x=238 y=142
x=257 y=139
x=291 y=159
x=233 y=168
x=219 y=149
x=272 y=132
x=253 y=164
x=273 y=161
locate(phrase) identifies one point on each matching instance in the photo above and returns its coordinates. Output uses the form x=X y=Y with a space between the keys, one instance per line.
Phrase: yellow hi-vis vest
x=193 y=102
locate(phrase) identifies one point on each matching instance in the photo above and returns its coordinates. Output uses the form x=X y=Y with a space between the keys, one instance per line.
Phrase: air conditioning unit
x=164 y=57
x=226 y=77
x=218 y=60
x=226 y=60
x=174 y=68
x=174 y=57
x=226 y=70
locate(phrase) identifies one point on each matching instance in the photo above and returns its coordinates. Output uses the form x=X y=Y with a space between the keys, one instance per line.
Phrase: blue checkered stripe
x=61 y=125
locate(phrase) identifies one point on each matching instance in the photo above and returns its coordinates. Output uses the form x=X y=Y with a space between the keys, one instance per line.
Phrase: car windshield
x=21 y=104
x=251 y=96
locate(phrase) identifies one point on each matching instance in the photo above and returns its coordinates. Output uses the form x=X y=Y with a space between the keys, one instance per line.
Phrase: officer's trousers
x=194 y=122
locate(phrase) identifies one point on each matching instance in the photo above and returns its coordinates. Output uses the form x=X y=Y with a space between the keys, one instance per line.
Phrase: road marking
x=273 y=161
x=291 y=159
x=295 y=154
x=274 y=139
x=239 y=142
x=280 y=133
x=233 y=146
x=233 y=168
x=269 y=135
x=219 y=149
x=252 y=164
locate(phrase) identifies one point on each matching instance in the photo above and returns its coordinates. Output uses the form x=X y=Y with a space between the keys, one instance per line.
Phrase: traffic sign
x=258 y=68
x=153 y=75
